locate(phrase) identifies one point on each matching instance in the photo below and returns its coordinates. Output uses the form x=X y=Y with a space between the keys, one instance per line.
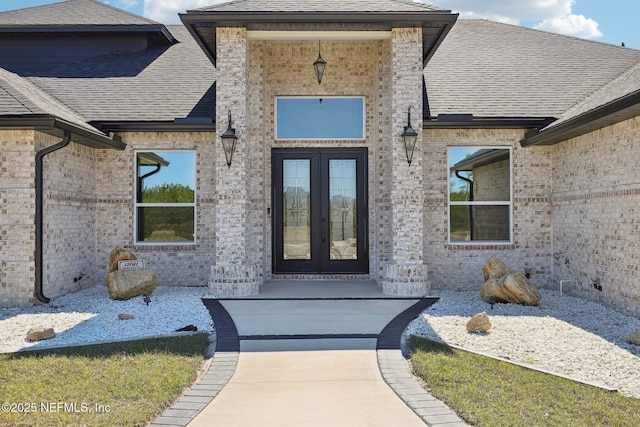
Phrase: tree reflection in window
x=165 y=197
x=296 y=209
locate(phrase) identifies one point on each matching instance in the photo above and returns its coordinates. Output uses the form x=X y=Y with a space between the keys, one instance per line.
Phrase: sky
x=612 y=22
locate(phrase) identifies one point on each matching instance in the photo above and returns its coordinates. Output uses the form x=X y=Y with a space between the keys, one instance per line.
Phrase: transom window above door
x=320 y=118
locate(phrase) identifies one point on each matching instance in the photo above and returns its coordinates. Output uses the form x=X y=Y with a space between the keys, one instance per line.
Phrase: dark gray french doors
x=320 y=210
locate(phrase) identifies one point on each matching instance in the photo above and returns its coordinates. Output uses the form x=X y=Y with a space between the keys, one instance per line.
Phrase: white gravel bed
x=565 y=335
x=89 y=316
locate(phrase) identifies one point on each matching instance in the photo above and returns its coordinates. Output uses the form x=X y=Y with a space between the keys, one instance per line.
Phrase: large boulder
x=124 y=285
x=494 y=269
x=117 y=255
x=507 y=286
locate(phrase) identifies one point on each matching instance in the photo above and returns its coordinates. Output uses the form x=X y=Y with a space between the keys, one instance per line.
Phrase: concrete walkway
x=297 y=357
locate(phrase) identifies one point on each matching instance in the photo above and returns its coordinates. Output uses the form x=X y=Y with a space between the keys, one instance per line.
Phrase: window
x=165 y=197
x=320 y=118
x=480 y=195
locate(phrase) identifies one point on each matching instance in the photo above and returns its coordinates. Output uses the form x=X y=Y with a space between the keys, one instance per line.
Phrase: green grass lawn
x=119 y=384
x=488 y=392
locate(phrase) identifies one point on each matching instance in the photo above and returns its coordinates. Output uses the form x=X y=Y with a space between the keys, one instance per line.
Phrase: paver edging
x=219 y=368
x=395 y=372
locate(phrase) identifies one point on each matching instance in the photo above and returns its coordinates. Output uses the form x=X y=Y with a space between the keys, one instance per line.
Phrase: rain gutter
x=39 y=211
x=54 y=126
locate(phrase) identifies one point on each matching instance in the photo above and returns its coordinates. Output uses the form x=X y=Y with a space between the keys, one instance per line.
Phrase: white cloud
x=571 y=25
x=166 y=11
x=552 y=15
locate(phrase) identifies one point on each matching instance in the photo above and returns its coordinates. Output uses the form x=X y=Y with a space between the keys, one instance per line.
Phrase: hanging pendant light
x=229 y=139
x=409 y=136
x=319 y=65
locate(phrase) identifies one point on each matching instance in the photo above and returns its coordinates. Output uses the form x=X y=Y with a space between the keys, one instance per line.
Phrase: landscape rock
x=479 y=323
x=39 y=333
x=124 y=285
x=507 y=286
x=124 y=316
x=634 y=338
x=119 y=254
x=494 y=269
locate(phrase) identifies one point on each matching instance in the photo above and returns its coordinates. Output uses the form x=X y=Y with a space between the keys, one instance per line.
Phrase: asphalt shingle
x=625 y=84
x=490 y=69
x=20 y=97
x=320 y=6
x=71 y=13
x=160 y=84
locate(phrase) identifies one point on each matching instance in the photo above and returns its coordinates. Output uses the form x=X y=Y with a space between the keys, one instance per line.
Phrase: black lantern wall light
x=409 y=136
x=229 y=139
x=319 y=65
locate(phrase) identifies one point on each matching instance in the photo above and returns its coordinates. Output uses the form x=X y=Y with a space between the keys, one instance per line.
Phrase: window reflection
x=343 y=209
x=479 y=194
x=165 y=197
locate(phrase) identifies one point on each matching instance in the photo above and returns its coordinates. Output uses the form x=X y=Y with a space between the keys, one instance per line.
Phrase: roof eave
x=157 y=126
x=426 y=20
x=52 y=125
x=468 y=121
x=613 y=112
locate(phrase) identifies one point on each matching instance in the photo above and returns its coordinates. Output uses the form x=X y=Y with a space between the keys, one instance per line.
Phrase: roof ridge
x=591 y=94
x=41 y=99
x=422 y=5
x=11 y=94
x=414 y=4
x=55 y=8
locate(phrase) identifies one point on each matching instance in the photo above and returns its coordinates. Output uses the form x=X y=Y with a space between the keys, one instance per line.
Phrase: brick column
x=231 y=275
x=406 y=273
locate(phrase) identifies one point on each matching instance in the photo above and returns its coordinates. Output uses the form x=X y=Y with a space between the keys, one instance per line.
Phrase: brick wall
x=180 y=265
x=69 y=195
x=596 y=222
x=459 y=266
x=17 y=215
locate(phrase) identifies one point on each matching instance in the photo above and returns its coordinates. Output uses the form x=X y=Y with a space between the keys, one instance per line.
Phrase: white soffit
x=318 y=35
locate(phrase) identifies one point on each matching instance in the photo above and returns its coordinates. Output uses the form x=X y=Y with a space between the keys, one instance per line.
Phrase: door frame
x=320 y=262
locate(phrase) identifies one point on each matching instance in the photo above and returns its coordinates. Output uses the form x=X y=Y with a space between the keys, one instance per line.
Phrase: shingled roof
x=491 y=69
x=158 y=85
x=275 y=6
x=78 y=16
x=71 y=13
x=616 y=101
x=24 y=104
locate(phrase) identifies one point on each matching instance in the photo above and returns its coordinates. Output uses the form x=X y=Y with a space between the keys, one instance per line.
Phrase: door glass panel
x=342 y=209
x=296 y=177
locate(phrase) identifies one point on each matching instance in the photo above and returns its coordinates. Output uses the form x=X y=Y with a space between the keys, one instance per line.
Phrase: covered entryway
x=320 y=210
